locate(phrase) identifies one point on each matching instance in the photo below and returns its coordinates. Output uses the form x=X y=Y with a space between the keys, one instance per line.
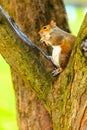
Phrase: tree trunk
x=64 y=98
x=31 y=113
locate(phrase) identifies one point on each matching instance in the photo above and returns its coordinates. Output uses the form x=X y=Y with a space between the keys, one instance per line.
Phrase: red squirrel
x=61 y=43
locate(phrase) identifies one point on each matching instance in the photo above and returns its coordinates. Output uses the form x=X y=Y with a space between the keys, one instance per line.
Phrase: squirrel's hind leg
x=57 y=71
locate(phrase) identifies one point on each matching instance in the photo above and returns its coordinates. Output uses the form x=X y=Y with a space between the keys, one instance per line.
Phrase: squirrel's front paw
x=57 y=71
x=42 y=40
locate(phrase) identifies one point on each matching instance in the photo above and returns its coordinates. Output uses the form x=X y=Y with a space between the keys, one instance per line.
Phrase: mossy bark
x=69 y=104
x=42 y=14
x=64 y=97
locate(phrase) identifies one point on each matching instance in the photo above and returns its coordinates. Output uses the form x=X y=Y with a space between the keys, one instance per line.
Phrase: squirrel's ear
x=52 y=23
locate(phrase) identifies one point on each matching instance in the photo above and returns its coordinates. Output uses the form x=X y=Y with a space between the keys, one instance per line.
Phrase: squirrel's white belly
x=55 y=55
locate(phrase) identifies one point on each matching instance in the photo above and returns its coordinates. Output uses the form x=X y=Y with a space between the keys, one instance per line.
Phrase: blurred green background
x=7 y=96
x=7 y=99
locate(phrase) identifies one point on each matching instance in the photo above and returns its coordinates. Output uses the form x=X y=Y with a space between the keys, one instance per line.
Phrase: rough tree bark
x=23 y=13
x=64 y=97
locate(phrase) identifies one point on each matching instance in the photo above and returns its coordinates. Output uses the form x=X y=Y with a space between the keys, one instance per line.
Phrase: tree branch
x=19 y=33
x=70 y=89
x=26 y=60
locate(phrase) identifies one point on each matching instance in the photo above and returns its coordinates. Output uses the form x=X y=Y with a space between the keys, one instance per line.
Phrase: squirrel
x=61 y=42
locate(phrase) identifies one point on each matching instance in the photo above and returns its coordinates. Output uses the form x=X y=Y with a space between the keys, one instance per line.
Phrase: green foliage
x=7 y=99
x=75 y=16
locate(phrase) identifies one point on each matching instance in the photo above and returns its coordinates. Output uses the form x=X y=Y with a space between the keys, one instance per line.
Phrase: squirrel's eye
x=44 y=27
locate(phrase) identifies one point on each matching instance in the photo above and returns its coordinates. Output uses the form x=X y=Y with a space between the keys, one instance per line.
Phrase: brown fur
x=53 y=35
